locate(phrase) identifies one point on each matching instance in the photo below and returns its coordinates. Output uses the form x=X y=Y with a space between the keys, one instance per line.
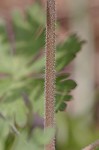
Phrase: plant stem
x=92 y=146
x=50 y=70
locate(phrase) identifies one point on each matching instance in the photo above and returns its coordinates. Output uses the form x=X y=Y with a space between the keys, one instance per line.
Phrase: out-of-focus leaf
x=44 y=137
x=63 y=88
x=68 y=51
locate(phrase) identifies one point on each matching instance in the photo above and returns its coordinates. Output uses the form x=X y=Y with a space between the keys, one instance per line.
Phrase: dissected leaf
x=68 y=51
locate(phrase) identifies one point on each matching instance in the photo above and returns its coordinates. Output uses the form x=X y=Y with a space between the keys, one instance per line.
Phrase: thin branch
x=50 y=70
x=92 y=146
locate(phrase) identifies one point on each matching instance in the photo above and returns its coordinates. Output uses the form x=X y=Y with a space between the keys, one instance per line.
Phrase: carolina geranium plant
x=22 y=79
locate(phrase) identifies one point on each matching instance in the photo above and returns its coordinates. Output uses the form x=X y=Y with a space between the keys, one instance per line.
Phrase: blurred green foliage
x=75 y=133
x=22 y=65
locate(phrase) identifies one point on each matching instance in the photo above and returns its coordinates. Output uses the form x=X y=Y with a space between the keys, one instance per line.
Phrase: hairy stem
x=50 y=70
x=92 y=146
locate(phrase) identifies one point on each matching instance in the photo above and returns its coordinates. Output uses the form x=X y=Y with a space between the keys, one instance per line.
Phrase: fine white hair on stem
x=92 y=146
x=50 y=69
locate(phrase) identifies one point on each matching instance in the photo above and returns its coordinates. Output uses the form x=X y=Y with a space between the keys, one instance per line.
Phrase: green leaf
x=62 y=107
x=36 y=10
x=68 y=97
x=68 y=51
x=62 y=77
x=44 y=137
x=63 y=89
x=68 y=85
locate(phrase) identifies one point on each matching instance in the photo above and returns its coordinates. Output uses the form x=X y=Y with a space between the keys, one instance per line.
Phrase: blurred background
x=22 y=40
